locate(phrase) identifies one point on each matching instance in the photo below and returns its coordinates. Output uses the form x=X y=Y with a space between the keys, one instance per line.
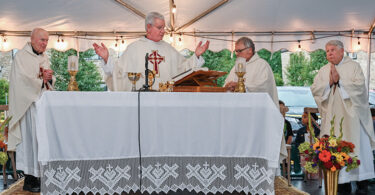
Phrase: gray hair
x=150 y=18
x=336 y=43
x=247 y=42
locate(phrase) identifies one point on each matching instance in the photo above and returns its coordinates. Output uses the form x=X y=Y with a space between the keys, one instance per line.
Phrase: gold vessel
x=331 y=179
x=73 y=86
x=241 y=82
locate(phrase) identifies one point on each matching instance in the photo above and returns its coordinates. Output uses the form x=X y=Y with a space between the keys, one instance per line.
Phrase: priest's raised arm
x=164 y=60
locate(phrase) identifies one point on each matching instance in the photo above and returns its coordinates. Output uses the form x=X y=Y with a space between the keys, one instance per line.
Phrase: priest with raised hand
x=29 y=77
x=339 y=90
x=164 y=60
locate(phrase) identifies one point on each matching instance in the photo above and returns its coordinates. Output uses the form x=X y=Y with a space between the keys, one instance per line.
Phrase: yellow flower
x=332 y=142
x=316 y=144
x=338 y=156
x=333 y=168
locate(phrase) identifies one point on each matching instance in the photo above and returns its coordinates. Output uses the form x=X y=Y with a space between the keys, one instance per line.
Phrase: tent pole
x=131 y=8
x=202 y=14
x=369 y=53
x=171 y=14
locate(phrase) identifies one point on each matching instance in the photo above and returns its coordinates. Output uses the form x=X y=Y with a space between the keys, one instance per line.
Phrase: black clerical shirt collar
x=36 y=51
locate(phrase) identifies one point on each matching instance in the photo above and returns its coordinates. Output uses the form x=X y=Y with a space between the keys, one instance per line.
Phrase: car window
x=297 y=97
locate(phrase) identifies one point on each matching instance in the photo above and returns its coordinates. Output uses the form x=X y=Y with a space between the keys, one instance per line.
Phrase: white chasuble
x=163 y=59
x=25 y=87
x=348 y=100
x=258 y=78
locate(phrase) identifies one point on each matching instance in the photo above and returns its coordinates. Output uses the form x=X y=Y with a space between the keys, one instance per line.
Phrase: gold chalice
x=134 y=77
x=240 y=70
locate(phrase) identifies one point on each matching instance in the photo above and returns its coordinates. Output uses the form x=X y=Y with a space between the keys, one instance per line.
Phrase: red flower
x=328 y=165
x=307 y=159
x=325 y=156
x=358 y=162
x=337 y=165
x=306 y=151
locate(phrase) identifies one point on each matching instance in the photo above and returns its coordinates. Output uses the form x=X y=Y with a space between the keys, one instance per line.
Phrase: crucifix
x=155 y=58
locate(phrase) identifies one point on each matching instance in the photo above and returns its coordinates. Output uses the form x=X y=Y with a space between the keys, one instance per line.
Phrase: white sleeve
x=344 y=94
x=108 y=68
x=200 y=61
x=326 y=92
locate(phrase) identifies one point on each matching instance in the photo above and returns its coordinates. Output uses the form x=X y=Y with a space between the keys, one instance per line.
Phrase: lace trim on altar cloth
x=159 y=174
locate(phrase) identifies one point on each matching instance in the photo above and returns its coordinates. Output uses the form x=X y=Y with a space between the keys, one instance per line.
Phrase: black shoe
x=30 y=188
x=31 y=184
x=345 y=188
x=362 y=187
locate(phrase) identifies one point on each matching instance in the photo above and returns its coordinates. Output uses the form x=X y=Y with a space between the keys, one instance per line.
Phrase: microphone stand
x=146 y=87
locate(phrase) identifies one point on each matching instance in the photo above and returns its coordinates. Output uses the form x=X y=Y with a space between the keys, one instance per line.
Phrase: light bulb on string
x=358 y=46
x=60 y=44
x=299 y=46
x=179 y=43
x=5 y=45
x=171 y=37
x=174 y=9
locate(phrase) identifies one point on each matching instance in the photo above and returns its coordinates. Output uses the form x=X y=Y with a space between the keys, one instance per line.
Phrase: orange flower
x=333 y=168
x=342 y=163
x=344 y=155
x=325 y=156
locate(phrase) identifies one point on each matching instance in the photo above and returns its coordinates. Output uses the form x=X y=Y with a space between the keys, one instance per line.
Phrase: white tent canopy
x=272 y=24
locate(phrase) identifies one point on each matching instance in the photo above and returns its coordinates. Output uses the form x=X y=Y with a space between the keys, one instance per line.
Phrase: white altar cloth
x=209 y=142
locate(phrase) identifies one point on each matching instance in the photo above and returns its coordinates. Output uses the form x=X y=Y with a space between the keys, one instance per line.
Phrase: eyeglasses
x=241 y=50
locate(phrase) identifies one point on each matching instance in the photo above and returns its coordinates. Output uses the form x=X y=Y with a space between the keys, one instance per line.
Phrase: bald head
x=39 y=40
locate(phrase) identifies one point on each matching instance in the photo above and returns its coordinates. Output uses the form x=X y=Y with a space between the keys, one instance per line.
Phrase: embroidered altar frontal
x=201 y=174
x=206 y=142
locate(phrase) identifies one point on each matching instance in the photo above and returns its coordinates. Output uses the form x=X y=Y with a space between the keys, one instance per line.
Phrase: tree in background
x=4 y=91
x=219 y=61
x=88 y=76
x=301 y=71
x=275 y=62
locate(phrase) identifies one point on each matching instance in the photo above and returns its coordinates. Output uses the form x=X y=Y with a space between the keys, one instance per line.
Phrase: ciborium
x=73 y=69
x=134 y=77
x=240 y=70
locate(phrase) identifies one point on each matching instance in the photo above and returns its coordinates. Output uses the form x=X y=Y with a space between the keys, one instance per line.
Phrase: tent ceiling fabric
x=235 y=15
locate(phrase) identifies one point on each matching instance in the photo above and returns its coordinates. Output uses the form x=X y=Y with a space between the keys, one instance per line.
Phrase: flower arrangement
x=3 y=146
x=329 y=152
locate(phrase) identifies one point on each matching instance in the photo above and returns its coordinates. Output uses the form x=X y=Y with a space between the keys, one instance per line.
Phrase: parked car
x=371 y=99
x=296 y=98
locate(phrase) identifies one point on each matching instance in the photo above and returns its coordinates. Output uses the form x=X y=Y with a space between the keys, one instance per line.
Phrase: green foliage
x=298 y=71
x=275 y=62
x=301 y=71
x=88 y=77
x=220 y=61
x=4 y=91
x=318 y=59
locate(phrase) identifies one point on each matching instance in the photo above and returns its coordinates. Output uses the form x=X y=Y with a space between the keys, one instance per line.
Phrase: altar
x=114 y=142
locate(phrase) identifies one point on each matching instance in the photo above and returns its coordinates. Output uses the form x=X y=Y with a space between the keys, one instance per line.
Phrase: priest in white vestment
x=259 y=76
x=30 y=75
x=164 y=60
x=339 y=90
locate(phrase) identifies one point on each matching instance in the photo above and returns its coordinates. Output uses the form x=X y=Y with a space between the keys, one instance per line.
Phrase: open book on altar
x=198 y=80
